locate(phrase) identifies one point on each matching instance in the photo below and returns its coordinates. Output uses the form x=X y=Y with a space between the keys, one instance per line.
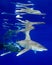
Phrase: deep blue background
x=41 y=34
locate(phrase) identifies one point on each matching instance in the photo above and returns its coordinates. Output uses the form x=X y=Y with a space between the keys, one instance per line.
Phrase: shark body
x=28 y=44
x=30 y=11
x=29 y=25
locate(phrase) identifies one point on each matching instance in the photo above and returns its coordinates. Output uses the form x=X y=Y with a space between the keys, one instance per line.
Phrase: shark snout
x=42 y=49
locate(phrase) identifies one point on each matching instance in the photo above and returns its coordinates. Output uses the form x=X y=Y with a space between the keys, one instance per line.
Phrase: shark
x=29 y=24
x=29 y=11
x=29 y=44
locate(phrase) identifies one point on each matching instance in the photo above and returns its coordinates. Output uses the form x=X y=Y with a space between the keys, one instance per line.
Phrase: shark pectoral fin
x=23 y=51
x=5 y=53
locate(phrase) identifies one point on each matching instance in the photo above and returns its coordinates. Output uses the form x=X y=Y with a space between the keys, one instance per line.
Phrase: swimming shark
x=29 y=11
x=29 y=44
x=28 y=25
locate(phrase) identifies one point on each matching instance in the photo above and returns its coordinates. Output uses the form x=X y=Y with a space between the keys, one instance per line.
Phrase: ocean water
x=41 y=33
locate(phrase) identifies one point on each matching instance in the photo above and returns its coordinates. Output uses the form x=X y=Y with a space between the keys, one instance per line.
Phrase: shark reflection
x=29 y=11
x=29 y=44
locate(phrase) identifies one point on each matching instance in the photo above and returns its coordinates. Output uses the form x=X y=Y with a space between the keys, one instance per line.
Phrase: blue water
x=41 y=34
